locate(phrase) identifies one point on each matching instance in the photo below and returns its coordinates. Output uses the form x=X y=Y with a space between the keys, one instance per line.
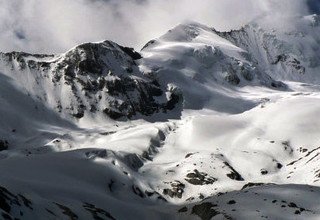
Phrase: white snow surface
x=247 y=149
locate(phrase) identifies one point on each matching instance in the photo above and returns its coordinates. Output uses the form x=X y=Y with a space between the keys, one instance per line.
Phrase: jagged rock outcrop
x=92 y=78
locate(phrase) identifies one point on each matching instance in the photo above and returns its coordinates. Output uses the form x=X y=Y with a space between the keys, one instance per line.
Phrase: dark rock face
x=136 y=190
x=199 y=178
x=205 y=211
x=67 y=212
x=130 y=51
x=10 y=202
x=5 y=198
x=148 y=44
x=97 y=212
x=97 y=77
x=290 y=61
x=176 y=190
x=183 y=209
x=128 y=92
x=24 y=63
x=249 y=185
x=231 y=202
x=232 y=78
x=4 y=145
x=234 y=175
x=17 y=206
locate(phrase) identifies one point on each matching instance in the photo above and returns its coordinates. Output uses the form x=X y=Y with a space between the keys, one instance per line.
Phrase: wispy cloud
x=56 y=25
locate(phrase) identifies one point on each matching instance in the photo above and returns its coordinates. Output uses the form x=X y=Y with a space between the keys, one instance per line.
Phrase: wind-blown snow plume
x=55 y=25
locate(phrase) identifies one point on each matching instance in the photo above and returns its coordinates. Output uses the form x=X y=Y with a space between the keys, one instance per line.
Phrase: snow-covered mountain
x=284 y=53
x=200 y=124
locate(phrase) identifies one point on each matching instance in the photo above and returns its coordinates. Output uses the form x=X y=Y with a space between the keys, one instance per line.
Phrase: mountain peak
x=185 y=32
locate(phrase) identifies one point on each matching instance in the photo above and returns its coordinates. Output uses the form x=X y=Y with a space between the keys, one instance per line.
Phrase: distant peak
x=191 y=25
x=185 y=32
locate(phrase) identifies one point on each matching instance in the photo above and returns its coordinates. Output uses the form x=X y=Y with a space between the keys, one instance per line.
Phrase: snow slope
x=205 y=66
x=200 y=125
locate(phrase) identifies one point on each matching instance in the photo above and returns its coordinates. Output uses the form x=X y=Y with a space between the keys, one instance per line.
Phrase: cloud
x=51 y=26
x=56 y=25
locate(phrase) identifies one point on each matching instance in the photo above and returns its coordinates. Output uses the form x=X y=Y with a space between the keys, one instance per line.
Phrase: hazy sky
x=51 y=26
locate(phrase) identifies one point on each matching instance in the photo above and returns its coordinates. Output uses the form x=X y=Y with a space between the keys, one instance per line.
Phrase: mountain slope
x=90 y=78
x=285 y=53
x=204 y=66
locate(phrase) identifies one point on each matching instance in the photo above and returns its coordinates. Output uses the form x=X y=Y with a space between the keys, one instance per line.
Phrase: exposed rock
x=231 y=202
x=67 y=211
x=97 y=213
x=232 y=78
x=176 y=191
x=98 y=77
x=136 y=190
x=199 y=178
x=264 y=171
x=10 y=203
x=130 y=51
x=183 y=209
x=249 y=185
x=4 y=145
x=205 y=210
x=234 y=174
